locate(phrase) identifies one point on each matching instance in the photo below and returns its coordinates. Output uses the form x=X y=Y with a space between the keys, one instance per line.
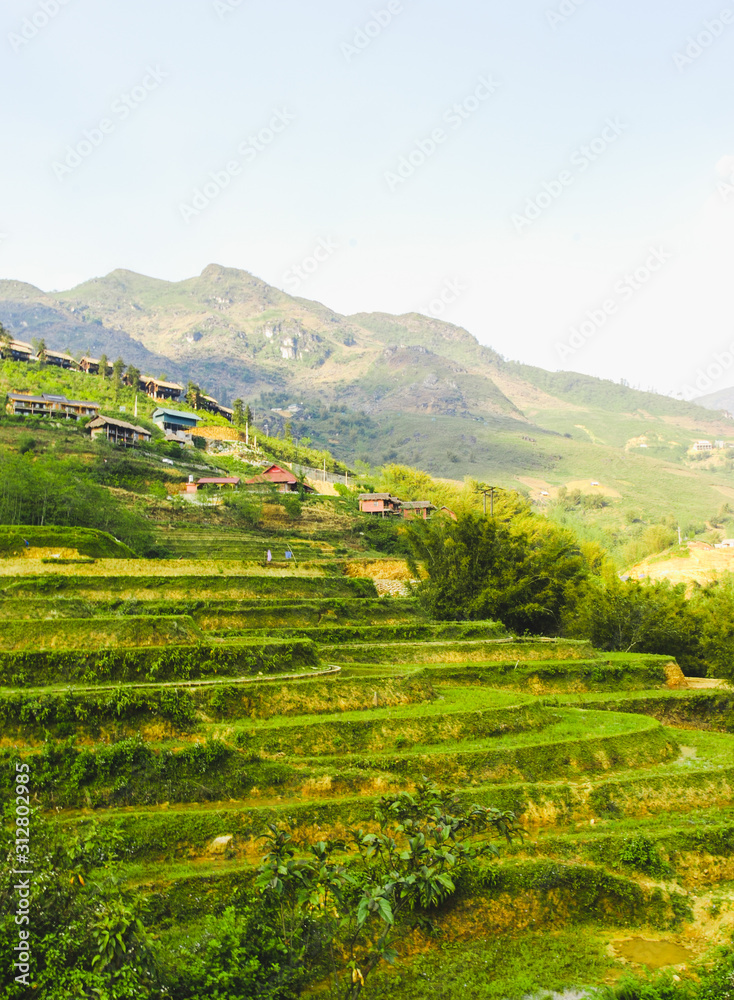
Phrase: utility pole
x=490 y=490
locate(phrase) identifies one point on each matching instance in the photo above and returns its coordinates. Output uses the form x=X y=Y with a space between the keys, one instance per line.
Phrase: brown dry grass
x=379 y=569
x=59 y=552
x=143 y=567
x=702 y=566
x=214 y=433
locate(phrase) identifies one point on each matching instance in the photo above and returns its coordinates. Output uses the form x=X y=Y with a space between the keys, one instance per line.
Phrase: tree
x=193 y=395
x=132 y=377
x=118 y=366
x=630 y=616
x=522 y=574
x=103 y=362
x=41 y=350
x=59 y=490
x=711 y=620
x=248 y=414
x=347 y=913
x=238 y=413
x=88 y=938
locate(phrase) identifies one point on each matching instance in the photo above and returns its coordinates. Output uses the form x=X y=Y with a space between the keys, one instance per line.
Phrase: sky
x=556 y=176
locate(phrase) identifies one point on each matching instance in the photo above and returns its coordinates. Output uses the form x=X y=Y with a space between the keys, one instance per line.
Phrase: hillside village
x=178 y=427
x=225 y=653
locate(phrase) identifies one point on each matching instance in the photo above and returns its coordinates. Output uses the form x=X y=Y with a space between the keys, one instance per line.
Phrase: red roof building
x=417 y=508
x=379 y=503
x=274 y=475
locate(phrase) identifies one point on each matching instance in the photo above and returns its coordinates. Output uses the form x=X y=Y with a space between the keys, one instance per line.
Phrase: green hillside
x=375 y=390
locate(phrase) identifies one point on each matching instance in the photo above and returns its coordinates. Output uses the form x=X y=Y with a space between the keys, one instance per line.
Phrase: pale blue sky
x=219 y=76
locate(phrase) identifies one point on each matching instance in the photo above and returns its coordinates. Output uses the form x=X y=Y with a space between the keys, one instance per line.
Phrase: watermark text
x=247 y=152
x=624 y=289
x=455 y=117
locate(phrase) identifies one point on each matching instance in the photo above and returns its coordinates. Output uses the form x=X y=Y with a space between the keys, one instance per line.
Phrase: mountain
x=722 y=399
x=28 y=312
x=381 y=388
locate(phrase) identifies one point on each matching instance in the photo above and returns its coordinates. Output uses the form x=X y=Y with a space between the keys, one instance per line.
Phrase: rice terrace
x=366 y=501
x=271 y=779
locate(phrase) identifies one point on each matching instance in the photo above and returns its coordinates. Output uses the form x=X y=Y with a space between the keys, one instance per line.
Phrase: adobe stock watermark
x=222 y=8
x=120 y=110
x=32 y=26
x=294 y=277
x=565 y=10
x=372 y=29
x=697 y=44
x=455 y=117
x=451 y=291
x=22 y=869
x=247 y=152
x=624 y=290
x=707 y=377
x=581 y=159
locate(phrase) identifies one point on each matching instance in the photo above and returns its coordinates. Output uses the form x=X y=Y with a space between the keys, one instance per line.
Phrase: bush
x=235 y=955
x=481 y=568
x=628 y=616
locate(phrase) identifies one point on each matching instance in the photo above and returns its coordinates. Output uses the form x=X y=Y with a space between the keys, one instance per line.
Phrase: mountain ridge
x=373 y=386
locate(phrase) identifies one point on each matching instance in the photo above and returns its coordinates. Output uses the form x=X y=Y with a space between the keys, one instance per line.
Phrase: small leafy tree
x=338 y=904
x=248 y=414
x=238 y=413
x=103 y=362
x=132 y=376
x=246 y=507
x=193 y=395
x=41 y=350
x=118 y=367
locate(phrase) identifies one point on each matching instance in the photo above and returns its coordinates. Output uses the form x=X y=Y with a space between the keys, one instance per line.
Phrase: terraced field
x=178 y=708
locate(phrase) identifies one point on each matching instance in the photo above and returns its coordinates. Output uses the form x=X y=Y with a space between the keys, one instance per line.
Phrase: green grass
x=183 y=587
x=98 y=633
x=195 y=544
x=42 y=668
x=458 y=652
x=498 y=967
x=450 y=701
x=613 y=672
x=212 y=614
x=709 y=708
x=413 y=632
x=87 y=541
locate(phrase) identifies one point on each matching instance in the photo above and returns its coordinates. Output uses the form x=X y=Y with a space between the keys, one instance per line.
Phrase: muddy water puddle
x=653 y=954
